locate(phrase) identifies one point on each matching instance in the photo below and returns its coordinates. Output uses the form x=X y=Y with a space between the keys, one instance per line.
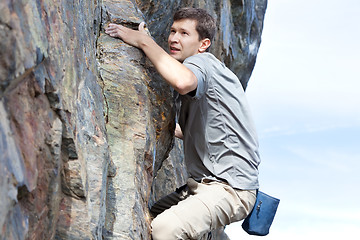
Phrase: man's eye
x=185 y=33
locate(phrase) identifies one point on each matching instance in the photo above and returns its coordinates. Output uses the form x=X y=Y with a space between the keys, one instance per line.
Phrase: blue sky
x=305 y=98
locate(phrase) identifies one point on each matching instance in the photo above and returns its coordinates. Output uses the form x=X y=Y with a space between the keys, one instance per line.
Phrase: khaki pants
x=198 y=208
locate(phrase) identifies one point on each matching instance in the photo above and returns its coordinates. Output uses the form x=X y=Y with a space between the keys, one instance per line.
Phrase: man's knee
x=166 y=226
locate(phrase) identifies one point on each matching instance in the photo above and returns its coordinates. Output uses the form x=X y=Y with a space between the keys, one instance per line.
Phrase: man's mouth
x=174 y=49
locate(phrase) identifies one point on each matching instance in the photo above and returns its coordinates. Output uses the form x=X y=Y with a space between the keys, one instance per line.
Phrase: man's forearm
x=173 y=72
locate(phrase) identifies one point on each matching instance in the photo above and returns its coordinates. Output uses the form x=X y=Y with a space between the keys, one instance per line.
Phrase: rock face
x=54 y=147
x=86 y=124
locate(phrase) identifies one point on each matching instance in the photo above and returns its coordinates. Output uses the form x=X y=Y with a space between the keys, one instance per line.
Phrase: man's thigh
x=210 y=205
x=226 y=205
x=165 y=203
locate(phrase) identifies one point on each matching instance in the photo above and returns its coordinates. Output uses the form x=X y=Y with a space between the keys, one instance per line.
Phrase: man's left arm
x=178 y=132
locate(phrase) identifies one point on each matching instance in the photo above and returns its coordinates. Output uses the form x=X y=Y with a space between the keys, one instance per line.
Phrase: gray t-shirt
x=220 y=140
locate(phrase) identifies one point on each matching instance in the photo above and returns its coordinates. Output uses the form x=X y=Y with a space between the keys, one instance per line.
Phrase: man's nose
x=174 y=37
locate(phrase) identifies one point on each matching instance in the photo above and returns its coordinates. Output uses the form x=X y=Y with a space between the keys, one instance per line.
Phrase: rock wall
x=139 y=123
x=54 y=150
x=86 y=124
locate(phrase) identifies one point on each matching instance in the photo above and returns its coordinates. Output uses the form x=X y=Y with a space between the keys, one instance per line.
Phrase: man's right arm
x=175 y=73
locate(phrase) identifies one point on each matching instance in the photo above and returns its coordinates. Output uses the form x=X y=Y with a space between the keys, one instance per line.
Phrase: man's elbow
x=182 y=90
x=184 y=87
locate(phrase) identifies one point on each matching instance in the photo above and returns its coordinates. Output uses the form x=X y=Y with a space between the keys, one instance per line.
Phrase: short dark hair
x=205 y=26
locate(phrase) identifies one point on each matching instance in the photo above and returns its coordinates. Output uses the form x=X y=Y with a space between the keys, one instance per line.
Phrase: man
x=220 y=142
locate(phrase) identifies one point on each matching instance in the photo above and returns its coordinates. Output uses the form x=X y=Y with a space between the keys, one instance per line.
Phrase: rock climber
x=214 y=121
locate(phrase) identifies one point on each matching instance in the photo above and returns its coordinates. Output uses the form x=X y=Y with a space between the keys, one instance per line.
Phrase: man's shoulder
x=205 y=55
x=202 y=59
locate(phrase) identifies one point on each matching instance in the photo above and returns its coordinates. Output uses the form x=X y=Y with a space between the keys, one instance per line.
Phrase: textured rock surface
x=86 y=124
x=54 y=150
x=139 y=125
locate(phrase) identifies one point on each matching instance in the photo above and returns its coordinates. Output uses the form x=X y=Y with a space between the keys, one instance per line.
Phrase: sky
x=305 y=98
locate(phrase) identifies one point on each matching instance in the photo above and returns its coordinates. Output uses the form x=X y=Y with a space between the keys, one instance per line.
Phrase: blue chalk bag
x=261 y=217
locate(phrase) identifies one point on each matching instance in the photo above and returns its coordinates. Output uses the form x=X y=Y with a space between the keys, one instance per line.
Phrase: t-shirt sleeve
x=196 y=65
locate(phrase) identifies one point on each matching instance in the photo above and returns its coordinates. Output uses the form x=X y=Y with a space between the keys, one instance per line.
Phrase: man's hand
x=178 y=132
x=128 y=35
x=174 y=73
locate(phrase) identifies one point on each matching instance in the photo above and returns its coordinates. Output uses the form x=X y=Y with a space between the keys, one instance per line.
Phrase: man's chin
x=177 y=57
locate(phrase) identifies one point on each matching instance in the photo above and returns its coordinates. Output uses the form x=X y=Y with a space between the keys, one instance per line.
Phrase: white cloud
x=334 y=231
x=307 y=67
x=328 y=158
x=298 y=222
x=304 y=95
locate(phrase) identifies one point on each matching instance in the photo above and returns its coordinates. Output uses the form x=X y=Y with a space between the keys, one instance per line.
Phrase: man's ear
x=205 y=44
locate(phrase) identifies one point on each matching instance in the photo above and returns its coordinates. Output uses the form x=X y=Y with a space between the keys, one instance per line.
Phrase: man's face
x=183 y=40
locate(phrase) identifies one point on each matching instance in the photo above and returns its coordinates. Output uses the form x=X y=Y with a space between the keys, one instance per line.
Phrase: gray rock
x=86 y=123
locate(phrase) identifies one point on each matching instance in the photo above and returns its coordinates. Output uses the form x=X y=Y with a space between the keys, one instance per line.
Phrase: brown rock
x=87 y=125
